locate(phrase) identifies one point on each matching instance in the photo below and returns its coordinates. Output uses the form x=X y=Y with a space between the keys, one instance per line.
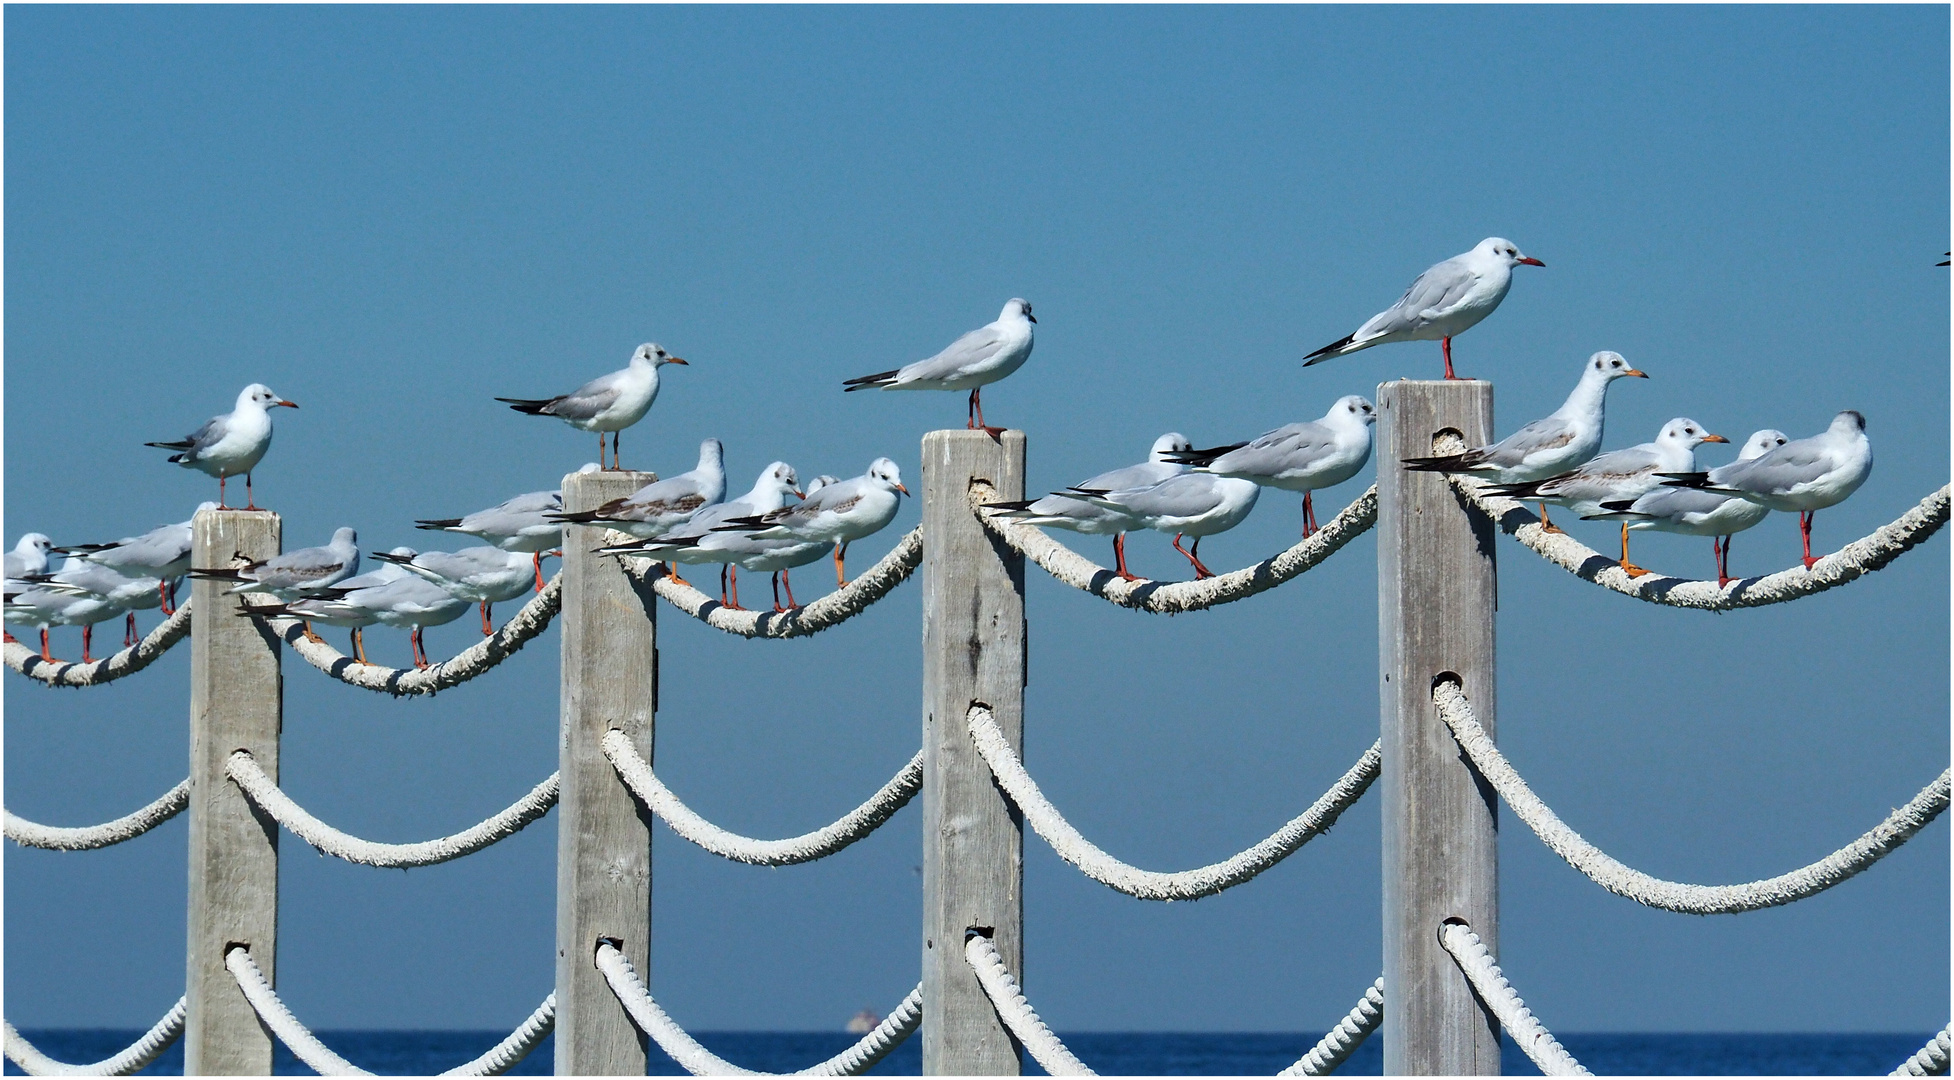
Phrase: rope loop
x=134 y=1059
x=1929 y=1060
x=90 y=837
x=831 y=610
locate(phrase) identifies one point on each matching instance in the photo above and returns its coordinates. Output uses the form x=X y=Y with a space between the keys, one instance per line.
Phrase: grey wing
x=588 y=400
x=1777 y=472
x=1674 y=502
x=1133 y=476
x=299 y=567
x=1288 y=447
x=1182 y=496
x=1434 y=291
x=205 y=437
x=966 y=352
x=1546 y=434
x=1598 y=478
x=534 y=502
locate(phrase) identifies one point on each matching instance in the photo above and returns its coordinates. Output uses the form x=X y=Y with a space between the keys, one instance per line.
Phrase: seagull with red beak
x=232 y=443
x=1445 y=301
x=837 y=514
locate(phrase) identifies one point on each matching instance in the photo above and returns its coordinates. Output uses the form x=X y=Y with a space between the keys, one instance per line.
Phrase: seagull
x=610 y=403
x=518 y=524
x=162 y=553
x=663 y=505
x=1080 y=516
x=482 y=575
x=295 y=574
x=322 y=609
x=232 y=443
x=775 y=557
x=1191 y=504
x=837 y=514
x=1549 y=446
x=1698 y=513
x=128 y=593
x=29 y=556
x=973 y=361
x=770 y=491
x=1619 y=475
x=1445 y=301
x=44 y=607
x=1298 y=457
x=406 y=601
x=1807 y=475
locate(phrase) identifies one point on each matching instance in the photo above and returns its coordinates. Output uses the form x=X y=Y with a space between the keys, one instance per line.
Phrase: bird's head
x=261 y=395
x=1016 y=307
x=345 y=535
x=1849 y=422
x=1352 y=409
x=1171 y=443
x=884 y=471
x=780 y=477
x=1687 y=433
x=1610 y=366
x=34 y=542
x=654 y=354
x=1503 y=249
x=1761 y=443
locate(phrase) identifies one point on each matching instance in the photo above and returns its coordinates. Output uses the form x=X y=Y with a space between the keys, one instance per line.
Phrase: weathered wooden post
x=603 y=854
x=973 y=839
x=1436 y=595
x=236 y=703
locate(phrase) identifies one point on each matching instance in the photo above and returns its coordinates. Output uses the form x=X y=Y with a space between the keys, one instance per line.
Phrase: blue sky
x=392 y=215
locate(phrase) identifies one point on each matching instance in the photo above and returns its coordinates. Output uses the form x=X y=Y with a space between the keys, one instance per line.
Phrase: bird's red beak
x=677 y=360
x=902 y=489
x=798 y=494
x=1531 y=261
x=288 y=404
x=1714 y=438
x=1638 y=373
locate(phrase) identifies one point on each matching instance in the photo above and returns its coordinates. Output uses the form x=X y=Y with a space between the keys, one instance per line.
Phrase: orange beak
x=676 y=360
x=1637 y=372
x=289 y=404
x=902 y=489
x=1531 y=261
x=1714 y=438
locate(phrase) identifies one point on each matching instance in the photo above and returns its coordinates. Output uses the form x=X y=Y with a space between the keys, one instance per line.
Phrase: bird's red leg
x=970 y=413
x=1805 y=531
x=45 y=654
x=1722 y=550
x=163 y=597
x=1630 y=568
x=671 y=571
x=1119 y=559
x=539 y=571
x=787 y=583
x=310 y=635
x=1309 y=516
x=1200 y=571
x=722 y=584
x=841 y=556
x=616 y=462
x=1544 y=523
x=220 y=492
x=1446 y=344
x=129 y=631
x=359 y=647
x=776 y=593
x=250 y=501
x=977 y=405
x=485 y=619
x=87 y=631
x=8 y=637
x=734 y=572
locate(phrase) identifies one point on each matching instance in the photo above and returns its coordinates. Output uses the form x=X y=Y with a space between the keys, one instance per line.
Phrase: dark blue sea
x=1110 y=1053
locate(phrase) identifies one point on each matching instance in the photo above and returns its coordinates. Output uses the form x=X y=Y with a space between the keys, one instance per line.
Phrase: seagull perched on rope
x=520 y=524
x=1804 y=476
x=1298 y=457
x=162 y=553
x=1094 y=519
x=972 y=362
x=323 y=609
x=662 y=505
x=1445 y=301
x=837 y=514
x=481 y=575
x=1691 y=512
x=1191 y=504
x=232 y=443
x=295 y=574
x=776 y=482
x=609 y=403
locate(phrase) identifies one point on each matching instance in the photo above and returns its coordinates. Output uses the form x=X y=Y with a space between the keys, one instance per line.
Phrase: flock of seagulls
x=777 y=526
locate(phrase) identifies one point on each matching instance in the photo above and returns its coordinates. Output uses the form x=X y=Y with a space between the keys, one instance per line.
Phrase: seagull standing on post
x=610 y=403
x=1445 y=301
x=232 y=443
x=973 y=361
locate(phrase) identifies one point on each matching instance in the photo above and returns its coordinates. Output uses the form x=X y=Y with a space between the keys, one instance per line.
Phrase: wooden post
x=973 y=839
x=236 y=703
x=1435 y=593
x=603 y=853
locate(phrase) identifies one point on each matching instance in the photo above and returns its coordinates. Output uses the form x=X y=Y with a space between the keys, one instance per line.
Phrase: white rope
x=1149 y=884
x=1897 y=829
x=88 y=837
x=301 y=1042
x=1016 y=1012
x=504 y=1055
x=132 y=1060
x=1855 y=560
x=835 y=608
x=525 y=626
x=1173 y=597
x=1499 y=996
x=699 y=1061
x=261 y=790
x=1929 y=1060
x=1341 y=1041
x=822 y=842
x=109 y=668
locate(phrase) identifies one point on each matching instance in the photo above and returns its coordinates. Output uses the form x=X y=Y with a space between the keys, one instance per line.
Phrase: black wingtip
x=528 y=407
x=1328 y=351
x=437 y=523
x=388 y=556
x=1021 y=504
x=868 y=382
x=1448 y=463
x=1685 y=479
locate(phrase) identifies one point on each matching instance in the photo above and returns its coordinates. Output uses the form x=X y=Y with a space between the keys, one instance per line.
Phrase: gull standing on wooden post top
x=1444 y=302
x=1805 y=476
x=520 y=524
x=837 y=514
x=609 y=403
x=1298 y=457
x=1699 y=513
x=232 y=443
x=1093 y=519
x=973 y=361
x=1619 y=474
x=1549 y=446
x=663 y=505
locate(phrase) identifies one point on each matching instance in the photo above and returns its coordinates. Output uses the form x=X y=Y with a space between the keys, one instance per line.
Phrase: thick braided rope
x=1929 y=1060
x=1897 y=829
x=1149 y=884
x=1341 y=1041
x=245 y=772
x=1016 y=1012
x=132 y=1060
x=699 y=1061
x=89 y=837
x=1498 y=994
x=515 y=1046
x=1855 y=560
x=109 y=668
x=1174 y=597
x=527 y=623
x=264 y=1000
x=835 y=608
x=857 y=823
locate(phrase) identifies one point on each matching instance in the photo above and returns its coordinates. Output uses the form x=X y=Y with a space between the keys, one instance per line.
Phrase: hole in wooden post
x=979 y=931
x=613 y=942
x=1452 y=677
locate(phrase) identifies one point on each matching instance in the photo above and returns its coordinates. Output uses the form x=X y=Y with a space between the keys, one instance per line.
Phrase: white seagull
x=44 y=607
x=663 y=505
x=972 y=362
x=1080 y=516
x=127 y=593
x=232 y=443
x=837 y=514
x=770 y=491
x=481 y=575
x=1619 y=474
x=406 y=601
x=1445 y=301
x=609 y=403
x=775 y=557
x=1298 y=457
x=518 y=524
x=295 y=574
x=322 y=609
x=1191 y=504
x=1805 y=476
x=29 y=556
x=1552 y=445
x=162 y=553
x=1691 y=512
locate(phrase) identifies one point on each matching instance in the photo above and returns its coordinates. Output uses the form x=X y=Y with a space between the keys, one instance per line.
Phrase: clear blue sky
x=391 y=215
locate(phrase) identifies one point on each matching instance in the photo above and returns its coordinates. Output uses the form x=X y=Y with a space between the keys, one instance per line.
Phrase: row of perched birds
x=1179 y=490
